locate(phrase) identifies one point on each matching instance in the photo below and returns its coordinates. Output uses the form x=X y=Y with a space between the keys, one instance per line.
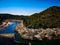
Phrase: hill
x=49 y=18
x=10 y=16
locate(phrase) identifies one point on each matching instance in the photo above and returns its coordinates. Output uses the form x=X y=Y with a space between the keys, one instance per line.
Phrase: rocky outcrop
x=40 y=34
x=5 y=24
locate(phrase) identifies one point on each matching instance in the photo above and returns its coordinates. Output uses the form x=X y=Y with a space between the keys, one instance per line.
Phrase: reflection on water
x=6 y=41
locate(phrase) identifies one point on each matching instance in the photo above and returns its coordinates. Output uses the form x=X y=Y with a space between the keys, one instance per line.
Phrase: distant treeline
x=49 y=18
x=10 y=16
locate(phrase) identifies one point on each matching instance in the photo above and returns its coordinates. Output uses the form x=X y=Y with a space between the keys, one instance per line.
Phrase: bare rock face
x=5 y=24
x=40 y=34
x=19 y=26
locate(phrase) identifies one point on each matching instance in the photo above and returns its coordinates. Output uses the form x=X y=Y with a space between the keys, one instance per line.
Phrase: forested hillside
x=49 y=18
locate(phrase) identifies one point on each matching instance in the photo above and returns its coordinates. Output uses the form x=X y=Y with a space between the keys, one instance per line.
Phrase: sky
x=26 y=7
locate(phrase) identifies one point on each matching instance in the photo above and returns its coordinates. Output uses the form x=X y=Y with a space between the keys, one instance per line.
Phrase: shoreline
x=39 y=34
x=7 y=35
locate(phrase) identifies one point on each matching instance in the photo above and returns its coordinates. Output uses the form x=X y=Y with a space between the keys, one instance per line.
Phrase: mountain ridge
x=48 y=18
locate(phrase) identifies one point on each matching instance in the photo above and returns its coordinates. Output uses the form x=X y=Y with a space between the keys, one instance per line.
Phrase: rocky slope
x=38 y=34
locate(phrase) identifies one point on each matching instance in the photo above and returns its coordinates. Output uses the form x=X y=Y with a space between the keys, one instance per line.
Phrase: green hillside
x=49 y=18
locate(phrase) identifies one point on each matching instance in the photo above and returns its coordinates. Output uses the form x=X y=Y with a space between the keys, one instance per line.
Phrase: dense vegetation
x=49 y=18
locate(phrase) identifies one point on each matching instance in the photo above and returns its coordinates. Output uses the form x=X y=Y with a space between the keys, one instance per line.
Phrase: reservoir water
x=11 y=29
x=8 y=30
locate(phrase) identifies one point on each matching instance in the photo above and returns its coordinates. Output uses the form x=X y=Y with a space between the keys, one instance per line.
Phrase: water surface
x=9 y=28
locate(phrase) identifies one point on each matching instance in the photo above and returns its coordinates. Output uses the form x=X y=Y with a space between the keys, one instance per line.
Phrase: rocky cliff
x=38 y=34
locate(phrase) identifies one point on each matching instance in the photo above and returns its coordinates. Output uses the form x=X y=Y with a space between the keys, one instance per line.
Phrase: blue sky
x=26 y=7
